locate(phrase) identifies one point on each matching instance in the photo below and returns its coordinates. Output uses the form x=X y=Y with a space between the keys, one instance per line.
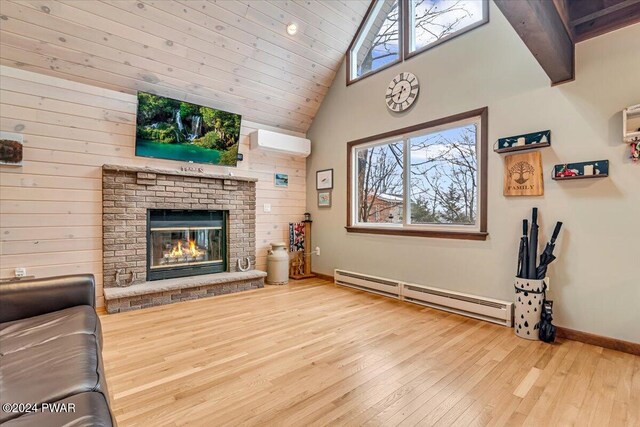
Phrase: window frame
x=449 y=231
x=408 y=18
x=352 y=45
x=404 y=32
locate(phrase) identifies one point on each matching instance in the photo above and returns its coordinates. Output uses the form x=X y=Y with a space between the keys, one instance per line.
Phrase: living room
x=259 y=212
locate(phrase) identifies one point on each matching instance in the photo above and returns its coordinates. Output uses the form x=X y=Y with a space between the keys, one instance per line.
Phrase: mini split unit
x=280 y=143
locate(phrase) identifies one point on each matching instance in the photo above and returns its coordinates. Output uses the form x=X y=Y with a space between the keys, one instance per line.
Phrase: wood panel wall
x=50 y=207
x=236 y=52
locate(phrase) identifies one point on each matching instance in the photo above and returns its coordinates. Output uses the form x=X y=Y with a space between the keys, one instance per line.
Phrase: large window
x=393 y=30
x=427 y=180
x=434 y=21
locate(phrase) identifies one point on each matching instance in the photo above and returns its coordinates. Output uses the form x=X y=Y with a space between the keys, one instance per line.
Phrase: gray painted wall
x=595 y=281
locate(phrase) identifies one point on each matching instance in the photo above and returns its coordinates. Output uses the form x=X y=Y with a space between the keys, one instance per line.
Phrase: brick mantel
x=191 y=172
x=129 y=192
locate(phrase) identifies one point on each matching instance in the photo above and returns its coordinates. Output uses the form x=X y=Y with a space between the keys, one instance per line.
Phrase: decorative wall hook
x=121 y=280
x=246 y=267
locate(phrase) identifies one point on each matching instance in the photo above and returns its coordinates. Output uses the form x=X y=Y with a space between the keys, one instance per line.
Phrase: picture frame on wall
x=324 y=179
x=324 y=199
x=281 y=180
x=11 y=149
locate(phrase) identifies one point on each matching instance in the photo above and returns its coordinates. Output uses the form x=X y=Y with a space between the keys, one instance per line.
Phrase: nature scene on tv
x=176 y=130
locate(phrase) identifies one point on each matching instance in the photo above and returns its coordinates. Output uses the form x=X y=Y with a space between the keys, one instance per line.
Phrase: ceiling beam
x=621 y=14
x=602 y=12
x=540 y=26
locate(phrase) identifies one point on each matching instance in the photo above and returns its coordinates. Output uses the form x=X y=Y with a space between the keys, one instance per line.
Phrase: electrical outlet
x=267 y=207
x=20 y=272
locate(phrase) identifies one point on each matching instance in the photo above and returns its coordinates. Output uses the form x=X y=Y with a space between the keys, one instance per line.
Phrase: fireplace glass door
x=185 y=246
x=185 y=243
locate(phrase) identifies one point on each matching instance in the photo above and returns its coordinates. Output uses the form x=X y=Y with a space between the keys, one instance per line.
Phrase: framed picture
x=523 y=175
x=281 y=180
x=324 y=199
x=324 y=179
x=10 y=149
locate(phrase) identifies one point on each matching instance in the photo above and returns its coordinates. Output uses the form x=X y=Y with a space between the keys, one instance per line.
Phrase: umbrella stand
x=530 y=286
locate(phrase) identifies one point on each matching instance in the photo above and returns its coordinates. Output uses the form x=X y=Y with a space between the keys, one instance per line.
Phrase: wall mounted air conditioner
x=280 y=143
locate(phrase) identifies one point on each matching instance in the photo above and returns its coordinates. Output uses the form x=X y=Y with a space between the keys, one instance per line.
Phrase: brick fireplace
x=133 y=197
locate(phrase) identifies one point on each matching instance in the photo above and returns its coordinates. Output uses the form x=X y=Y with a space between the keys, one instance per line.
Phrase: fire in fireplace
x=185 y=243
x=193 y=253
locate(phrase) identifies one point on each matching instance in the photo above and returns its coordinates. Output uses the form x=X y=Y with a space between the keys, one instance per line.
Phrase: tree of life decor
x=523 y=175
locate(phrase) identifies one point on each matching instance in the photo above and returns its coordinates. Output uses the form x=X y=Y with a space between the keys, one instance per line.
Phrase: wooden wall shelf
x=600 y=170
x=564 y=178
x=522 y=148
x=528 y=141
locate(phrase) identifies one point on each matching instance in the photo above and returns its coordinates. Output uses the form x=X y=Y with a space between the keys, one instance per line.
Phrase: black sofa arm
x=28 y=298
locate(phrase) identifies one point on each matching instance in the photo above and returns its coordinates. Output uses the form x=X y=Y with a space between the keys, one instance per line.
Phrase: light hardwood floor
x=311 y=353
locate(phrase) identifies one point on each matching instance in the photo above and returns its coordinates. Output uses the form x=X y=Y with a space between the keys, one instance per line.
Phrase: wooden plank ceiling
x=232 y=55
x=550 y=29
x=592 y=18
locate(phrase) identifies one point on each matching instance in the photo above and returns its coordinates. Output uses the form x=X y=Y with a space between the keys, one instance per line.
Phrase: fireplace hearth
x=184 y=243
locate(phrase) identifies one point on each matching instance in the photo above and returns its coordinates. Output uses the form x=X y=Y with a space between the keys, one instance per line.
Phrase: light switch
x=267 y=207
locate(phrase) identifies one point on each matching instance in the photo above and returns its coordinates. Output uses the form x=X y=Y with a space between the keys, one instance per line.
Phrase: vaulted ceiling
x=233 y=55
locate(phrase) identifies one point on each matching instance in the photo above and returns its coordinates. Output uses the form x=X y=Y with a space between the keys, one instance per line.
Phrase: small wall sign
x=10 y=149
x=523 y=175
x=191 y=169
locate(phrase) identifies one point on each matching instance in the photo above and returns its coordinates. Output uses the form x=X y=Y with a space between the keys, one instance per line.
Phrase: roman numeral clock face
x=402 y=92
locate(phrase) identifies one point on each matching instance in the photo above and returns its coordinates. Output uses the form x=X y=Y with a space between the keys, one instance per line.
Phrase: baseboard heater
x=376 y=285
x=488 y=309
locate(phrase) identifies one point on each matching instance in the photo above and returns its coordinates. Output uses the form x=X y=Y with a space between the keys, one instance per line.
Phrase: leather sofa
x=51 y=371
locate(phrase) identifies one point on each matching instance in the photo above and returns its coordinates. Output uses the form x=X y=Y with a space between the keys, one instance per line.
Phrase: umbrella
x=522 y=251
x=546 y=257
x=533 y=246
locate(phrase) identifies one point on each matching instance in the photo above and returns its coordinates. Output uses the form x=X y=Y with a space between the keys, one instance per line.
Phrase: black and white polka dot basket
x=529 y=298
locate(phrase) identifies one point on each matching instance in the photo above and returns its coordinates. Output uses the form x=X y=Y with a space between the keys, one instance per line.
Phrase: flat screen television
x=177 y=130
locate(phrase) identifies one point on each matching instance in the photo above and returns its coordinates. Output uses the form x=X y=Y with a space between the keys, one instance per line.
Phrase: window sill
x=462 y=235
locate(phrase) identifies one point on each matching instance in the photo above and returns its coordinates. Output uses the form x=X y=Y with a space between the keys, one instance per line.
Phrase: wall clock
x=402 y=92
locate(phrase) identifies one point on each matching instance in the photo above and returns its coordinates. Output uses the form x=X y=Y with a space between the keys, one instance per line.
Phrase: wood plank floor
x=314 y=354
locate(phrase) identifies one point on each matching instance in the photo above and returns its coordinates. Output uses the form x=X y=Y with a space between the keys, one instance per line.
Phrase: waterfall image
x=177 y=130
x=179 y=121
x=196 y=124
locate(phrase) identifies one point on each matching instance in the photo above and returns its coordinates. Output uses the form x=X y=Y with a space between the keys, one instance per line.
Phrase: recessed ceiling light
x=292 y=29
